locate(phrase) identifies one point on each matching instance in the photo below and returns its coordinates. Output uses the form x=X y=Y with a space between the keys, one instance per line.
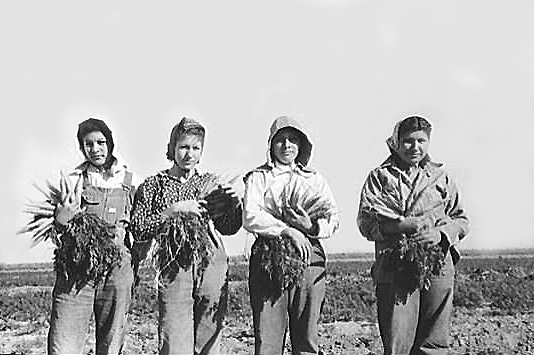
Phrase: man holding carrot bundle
x=289 y=208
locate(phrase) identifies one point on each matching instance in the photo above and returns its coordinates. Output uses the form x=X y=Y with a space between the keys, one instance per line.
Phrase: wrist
x=292 y=233
x=313 y=229
x=286 y=232
x=406 y=225
x=59 y=225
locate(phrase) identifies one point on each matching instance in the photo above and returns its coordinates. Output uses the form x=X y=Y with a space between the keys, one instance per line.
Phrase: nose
x=285 y=142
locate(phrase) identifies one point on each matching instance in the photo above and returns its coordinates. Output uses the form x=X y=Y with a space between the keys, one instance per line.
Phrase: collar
x=426 y=163
x=86 y=166
x=284 y=167
x=165 y=173
x=281 y=169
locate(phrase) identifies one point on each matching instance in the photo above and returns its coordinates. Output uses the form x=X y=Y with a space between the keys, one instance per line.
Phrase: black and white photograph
x=236 y=177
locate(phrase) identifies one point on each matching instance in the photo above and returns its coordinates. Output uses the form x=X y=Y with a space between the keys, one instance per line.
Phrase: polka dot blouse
x=160 y=191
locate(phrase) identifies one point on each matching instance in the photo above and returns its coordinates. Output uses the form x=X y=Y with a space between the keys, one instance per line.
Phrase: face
x=188 y=151
x=285 y=146
x=413 y=146
x=95 y=148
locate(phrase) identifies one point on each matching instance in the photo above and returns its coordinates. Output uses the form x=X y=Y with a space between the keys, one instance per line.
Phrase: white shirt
x=113 y=178
x=268 y=191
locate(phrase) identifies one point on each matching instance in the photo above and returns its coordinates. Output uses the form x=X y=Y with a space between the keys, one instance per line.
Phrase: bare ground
x=474 y=332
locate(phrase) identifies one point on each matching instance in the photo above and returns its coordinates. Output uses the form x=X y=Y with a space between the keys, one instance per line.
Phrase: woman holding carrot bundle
x=179 y=214
x=92 y=258
x=410 y=207
x=289 y=208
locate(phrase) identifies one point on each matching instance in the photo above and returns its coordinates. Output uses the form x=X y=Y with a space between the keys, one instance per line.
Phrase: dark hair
x=412 y=124
x=182 y=129
x=95 y=125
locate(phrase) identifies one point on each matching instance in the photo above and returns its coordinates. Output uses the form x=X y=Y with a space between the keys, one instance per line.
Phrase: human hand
x=220 y=200
x=298 y=218
x=70 y=200
x=65 y=212
x=415 y=225
x=186 y=206
x=300 y=241
x=431 y=237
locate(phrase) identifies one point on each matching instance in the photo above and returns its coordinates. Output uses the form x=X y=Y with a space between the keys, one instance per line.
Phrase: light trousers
x=192 y=309
x=72 y=309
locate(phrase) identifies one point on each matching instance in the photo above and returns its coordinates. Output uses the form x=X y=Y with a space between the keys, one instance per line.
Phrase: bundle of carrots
x=185 y=239
x=85 y=246
x=280 y=265
x=41 y=224
x=279 y=261
x=88 y=251
x=305 y=197
x=413 y=264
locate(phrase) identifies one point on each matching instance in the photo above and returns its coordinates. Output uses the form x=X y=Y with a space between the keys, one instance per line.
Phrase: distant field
x=468 y=253
x=494 y=303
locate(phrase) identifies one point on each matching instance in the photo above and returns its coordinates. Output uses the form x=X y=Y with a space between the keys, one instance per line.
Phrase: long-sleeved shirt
x=390 y=194
x=269 y=189
x=160 y=191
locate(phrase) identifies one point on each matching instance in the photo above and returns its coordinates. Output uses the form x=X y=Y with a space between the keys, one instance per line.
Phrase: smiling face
x=188 y=151
x=413 y=146
x=285 y=146
x=95 y=148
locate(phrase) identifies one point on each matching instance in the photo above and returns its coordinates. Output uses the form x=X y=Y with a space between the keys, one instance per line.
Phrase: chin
x=98 y=163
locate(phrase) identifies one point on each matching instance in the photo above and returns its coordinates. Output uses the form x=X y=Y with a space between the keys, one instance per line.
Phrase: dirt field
x=494 y=311
x=474 y=332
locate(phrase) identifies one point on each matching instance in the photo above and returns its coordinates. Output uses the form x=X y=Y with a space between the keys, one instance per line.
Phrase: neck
x=283 y=166
x=99 y=168
x=180 y=173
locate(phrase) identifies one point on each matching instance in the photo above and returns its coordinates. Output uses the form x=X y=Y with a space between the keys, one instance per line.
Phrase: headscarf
x=393 y=142
x=186 y=125
x=96 y=125
x=305 y=147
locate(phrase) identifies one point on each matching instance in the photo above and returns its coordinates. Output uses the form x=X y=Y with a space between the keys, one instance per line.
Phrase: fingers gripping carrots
x=64 y=202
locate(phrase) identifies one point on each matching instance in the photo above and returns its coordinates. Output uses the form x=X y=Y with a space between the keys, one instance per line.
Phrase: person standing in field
x=180 y=213
x=107 y=194
x=411 y=200
x=289 y=208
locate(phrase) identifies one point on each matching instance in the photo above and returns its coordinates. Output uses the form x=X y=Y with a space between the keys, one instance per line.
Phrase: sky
x=348 y=70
